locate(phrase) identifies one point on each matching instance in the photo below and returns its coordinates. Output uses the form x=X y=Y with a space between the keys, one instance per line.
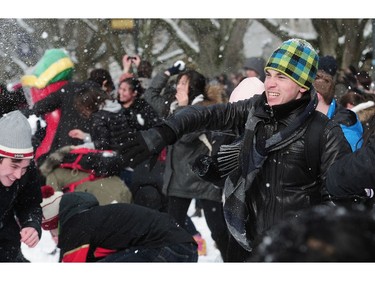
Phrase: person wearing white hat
x=246 y=89
x=20 y=195
x=84 y=231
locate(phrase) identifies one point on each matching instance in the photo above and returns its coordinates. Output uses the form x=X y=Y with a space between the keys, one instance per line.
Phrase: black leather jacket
x=284 y=185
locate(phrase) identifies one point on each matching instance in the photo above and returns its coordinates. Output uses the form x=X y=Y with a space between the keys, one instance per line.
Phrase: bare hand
x=29 y=236
x=77 y=134
x=182 y=97
x=136 y=60
x=126 y=63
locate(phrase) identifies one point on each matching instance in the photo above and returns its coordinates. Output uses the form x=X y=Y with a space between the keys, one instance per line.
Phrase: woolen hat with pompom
x=297 y=59
x=50 y=207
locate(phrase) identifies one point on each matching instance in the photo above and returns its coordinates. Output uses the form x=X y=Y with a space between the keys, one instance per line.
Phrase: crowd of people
x=278 y=158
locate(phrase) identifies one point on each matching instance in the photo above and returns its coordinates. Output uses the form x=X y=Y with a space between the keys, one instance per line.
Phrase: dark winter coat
x=70 y=117
x=354 y=172
x=140 y=115
x=103 y=122
x=10 y=101
x=179 y=178
x=157 y=96
x=89 y=232
x=19 y=208
x=283 y=185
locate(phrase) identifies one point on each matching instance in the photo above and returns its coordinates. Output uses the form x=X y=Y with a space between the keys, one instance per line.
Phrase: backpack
x=81 y=159
x=315 y=143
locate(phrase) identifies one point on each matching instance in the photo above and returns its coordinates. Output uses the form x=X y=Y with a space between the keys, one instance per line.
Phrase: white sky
x=185 y=9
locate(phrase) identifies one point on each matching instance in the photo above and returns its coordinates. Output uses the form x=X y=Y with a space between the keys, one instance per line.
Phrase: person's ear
x=104 y=84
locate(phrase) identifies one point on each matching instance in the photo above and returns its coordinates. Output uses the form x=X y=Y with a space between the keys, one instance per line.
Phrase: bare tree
x=212 y=46
x=345 y=39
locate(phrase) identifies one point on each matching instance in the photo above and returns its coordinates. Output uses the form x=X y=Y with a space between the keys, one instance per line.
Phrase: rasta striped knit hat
x=54 y=66
x=297 y=59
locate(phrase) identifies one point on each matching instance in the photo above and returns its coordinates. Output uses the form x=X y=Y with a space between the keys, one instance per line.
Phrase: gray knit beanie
x=15 y=136
x=257 y=64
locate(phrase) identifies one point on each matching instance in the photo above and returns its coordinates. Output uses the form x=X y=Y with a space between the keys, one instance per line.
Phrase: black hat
x=328 y=64
x=257 y=64
x=100 y=75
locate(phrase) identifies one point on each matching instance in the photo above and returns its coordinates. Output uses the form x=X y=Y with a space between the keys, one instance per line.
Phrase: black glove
x=354 y=201
x=261 y=140
x=178 y=67
x=38 y=136
x=145 y=144
x=103 y=165
x=207 y=168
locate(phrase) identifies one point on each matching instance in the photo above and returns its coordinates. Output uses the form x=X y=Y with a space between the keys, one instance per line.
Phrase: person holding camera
x=134 y=66
x=130 y=65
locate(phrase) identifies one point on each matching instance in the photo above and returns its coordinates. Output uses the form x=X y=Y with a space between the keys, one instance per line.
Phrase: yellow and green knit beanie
x=54 y=66
x=297 y=59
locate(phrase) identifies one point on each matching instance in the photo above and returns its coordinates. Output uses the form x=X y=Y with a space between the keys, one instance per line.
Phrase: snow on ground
x=46 y=252
x=209 y=267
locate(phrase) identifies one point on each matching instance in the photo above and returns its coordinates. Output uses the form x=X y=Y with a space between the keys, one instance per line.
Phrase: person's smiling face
x=280 y=89
x=11 y=170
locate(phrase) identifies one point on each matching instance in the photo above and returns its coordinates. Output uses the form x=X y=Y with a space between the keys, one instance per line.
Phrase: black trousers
x=213 y=213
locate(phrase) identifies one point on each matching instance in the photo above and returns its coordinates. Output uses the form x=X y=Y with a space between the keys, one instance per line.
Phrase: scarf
x=255 y=150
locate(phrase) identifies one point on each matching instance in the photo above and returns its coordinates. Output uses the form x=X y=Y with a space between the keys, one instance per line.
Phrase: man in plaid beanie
x=269 y=174
x=20 y=196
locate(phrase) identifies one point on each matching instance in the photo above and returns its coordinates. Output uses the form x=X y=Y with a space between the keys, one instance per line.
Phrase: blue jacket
x=348 y=122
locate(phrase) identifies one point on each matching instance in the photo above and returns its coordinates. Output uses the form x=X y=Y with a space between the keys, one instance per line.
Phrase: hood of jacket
x=342 y=115
x=111 y=106
x=214 y=94
x=74 y=203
